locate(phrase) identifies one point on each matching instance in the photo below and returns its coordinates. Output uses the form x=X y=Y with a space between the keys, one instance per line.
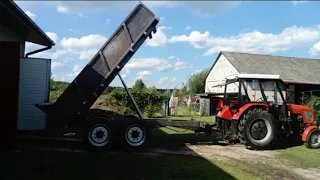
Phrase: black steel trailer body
x=75 y=102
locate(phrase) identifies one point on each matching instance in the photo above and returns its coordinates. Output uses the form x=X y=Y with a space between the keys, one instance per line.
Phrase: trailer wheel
x=135 y=134
x=99 y=134
x=313 y=139
x=260 y=130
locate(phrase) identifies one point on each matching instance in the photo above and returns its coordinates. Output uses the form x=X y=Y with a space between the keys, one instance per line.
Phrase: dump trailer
x=103 y=129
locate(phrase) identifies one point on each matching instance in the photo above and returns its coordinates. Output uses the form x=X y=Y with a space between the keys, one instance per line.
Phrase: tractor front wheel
x=260 y=130
x=313 y=139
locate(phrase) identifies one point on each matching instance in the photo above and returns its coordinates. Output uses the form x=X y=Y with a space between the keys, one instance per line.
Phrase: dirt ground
x=265 y=162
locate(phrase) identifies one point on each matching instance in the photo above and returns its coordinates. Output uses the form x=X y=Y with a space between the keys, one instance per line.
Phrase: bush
x=314 y=103
x=149 y=100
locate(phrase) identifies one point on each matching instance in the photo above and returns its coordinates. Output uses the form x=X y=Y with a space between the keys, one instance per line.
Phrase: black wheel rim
x=258 y=129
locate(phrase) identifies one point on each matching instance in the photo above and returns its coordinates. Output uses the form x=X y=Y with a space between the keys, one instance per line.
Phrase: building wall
x=7 y=35
x=33 y=89
x=217 y=75
x=224 y=68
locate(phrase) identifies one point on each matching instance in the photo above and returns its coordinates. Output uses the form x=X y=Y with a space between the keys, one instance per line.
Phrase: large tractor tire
x=243 y=121
x=313 y=139
x=99 y=132
x=259 y=130
x=134 y=133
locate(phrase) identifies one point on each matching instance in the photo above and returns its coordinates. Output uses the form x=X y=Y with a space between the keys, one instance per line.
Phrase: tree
x=175 y=92
x=183 y=91
x=196 y=82
x=139 y=85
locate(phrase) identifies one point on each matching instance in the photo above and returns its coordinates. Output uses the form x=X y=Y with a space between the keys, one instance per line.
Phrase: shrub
x=314 y=103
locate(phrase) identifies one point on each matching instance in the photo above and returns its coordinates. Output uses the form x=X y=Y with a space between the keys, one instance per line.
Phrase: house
x=300 y=75
x=24 y=81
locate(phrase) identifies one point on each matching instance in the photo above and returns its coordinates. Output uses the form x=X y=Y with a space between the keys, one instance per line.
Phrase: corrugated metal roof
x=290 y=69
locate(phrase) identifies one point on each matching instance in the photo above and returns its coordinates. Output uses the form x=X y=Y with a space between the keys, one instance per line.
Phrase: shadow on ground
x=118 y=164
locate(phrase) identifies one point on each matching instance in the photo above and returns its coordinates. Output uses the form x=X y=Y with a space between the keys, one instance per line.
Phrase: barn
x=24 y=81
x=300 y=75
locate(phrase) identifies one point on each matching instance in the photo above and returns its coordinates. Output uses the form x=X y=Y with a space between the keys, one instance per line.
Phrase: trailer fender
x=306 y=132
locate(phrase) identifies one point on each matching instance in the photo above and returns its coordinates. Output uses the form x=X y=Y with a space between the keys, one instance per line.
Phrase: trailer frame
x=73 y=105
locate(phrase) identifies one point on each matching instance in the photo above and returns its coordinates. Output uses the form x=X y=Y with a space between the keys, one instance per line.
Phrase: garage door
x=33 y=89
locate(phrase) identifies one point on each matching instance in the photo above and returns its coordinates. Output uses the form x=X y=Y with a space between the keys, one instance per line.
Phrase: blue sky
x=189 y=38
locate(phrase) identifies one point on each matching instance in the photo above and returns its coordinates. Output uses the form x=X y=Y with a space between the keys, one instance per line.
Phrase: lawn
x=301 y=157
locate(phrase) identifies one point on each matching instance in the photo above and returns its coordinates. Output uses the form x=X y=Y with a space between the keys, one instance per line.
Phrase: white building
x=24 y=81
x=298 y=74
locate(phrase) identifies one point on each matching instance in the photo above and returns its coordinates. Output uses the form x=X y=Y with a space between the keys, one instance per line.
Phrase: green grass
x=301 y=157
x=183 y=110
x=65 y=165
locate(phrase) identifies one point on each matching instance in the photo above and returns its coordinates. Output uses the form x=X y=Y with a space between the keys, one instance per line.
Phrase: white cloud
x=180 y=65
x=142 y=74
x=299 y=2
x=196 y=72
x=87 y=54
x=55 y=65
x=196 y=39
x=166 y=83
x=80 y=7
x=315 y=49
x=92 y=40
x=156 y=64
x=252 y=42
x=86 y=47
x=66 y=60
x=172 y=57
x=149 y=63
x=63 y=9
x=108 y=20
x=70 y=76
x=159 y=39
x=52 y=36
x=187 y=28
x=31 y=15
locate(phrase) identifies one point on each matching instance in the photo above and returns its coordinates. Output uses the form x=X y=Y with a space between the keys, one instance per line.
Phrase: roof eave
x=26 y=19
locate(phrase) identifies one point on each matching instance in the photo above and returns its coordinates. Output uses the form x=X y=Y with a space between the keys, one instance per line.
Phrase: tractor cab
x=244 y=90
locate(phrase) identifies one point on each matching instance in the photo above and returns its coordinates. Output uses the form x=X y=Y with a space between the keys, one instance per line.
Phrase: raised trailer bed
x=104 y=129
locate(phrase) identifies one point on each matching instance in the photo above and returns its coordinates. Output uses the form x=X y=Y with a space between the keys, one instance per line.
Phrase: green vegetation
x=56 y=89
x=196 y=82
x=313 y=102
x=301 y=157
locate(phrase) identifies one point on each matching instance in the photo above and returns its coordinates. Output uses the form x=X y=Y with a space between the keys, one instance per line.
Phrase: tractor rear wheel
x=243 y=121
x=260 y=130
x=313 y=139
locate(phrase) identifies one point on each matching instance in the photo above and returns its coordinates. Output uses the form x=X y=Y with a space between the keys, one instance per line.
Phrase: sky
x=189 y=35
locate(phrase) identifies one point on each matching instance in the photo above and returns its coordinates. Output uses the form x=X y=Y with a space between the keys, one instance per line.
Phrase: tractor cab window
x=262 y=90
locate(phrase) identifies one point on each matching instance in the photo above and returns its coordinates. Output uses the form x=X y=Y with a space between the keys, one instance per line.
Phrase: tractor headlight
x=308 y=115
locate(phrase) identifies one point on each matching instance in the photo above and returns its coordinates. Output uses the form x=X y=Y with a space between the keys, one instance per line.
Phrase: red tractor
x=255 y=113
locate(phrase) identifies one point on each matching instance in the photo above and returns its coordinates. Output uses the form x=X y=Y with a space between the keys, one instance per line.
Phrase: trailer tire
x=134 y=134
x=260 y=130
x=99 y=134
x=313 y=139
